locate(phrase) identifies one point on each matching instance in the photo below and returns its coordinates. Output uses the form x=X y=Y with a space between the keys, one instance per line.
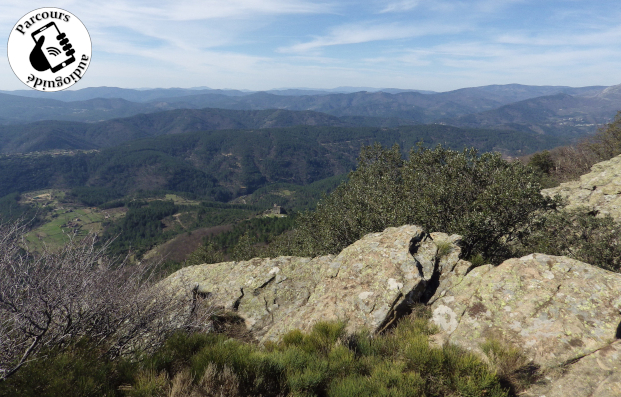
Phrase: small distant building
x=276 y=210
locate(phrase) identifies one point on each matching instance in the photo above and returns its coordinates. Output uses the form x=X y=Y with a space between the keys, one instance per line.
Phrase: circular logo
x=49 y=49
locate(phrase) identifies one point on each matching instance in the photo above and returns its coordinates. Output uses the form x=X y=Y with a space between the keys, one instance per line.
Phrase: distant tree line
x=567 y=163
x=11 y=210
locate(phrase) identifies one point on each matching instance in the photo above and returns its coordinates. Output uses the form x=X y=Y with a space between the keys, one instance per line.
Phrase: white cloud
x=404 y=5
x=202 y=10
x=601 y=36
x=450 y=6
x=362 y=33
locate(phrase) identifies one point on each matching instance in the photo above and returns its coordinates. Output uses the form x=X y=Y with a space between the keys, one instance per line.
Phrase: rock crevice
x=562 y=313
x=369 y=284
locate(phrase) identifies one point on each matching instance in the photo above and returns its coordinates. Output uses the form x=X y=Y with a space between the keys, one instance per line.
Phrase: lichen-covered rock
x=554 y=308
x=595 y=375
x=599 y=190
x=562 y=313
x=365 y=284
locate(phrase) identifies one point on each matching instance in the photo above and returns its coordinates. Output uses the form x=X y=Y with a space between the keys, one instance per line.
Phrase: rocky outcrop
x=599 y=190
x=367 y=284
x=562 y=313
x=555 y=308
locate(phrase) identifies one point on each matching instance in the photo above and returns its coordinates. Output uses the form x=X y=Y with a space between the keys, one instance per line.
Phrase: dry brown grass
x=180 y=248
x=510 y=364
x=182 y=384
x=214 y=383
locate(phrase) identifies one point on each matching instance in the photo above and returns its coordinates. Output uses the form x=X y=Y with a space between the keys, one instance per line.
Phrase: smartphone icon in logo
x=56 y=47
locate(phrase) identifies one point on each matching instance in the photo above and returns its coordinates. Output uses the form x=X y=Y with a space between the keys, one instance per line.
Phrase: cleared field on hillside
x=66 y=223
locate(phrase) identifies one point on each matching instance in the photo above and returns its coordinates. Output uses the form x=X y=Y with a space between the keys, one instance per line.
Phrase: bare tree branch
x=55 y=298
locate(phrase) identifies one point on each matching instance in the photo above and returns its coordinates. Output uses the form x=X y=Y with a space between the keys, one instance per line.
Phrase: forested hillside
x=17 y=109
x=49 y=135
x=227 y=163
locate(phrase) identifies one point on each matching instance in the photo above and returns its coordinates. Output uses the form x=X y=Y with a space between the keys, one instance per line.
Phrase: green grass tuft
x=444 y=248
x=324 y=362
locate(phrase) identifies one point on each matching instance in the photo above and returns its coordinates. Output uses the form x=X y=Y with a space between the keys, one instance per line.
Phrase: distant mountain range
x=560 y=114
x=132 y=95
x=145 y=95
x=512 y=92
x=558 y=110
x=225 y=143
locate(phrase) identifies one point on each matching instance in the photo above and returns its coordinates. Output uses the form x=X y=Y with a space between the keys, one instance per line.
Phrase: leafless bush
x=567 y=163
x=572 y=161
x=56 y=298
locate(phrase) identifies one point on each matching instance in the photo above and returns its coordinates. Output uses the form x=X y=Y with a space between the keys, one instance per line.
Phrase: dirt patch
x=179 y=248
x=576 y=342
x=476 y=309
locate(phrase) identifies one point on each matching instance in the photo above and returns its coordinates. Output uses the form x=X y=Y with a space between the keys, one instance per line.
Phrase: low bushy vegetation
x=81 y=369
x=484 y=198
x=578 y=234
x=325 y=362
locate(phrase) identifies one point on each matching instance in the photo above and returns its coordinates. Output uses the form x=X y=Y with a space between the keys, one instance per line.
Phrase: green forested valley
x=227 y=163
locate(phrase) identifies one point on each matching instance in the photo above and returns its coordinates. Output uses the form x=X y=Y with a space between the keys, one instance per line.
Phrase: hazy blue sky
x=261 y=44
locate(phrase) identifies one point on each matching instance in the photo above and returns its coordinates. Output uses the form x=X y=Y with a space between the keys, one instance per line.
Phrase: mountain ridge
x=144 y=95
x=416 y=107
x=24 y=138
x=558 y=114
